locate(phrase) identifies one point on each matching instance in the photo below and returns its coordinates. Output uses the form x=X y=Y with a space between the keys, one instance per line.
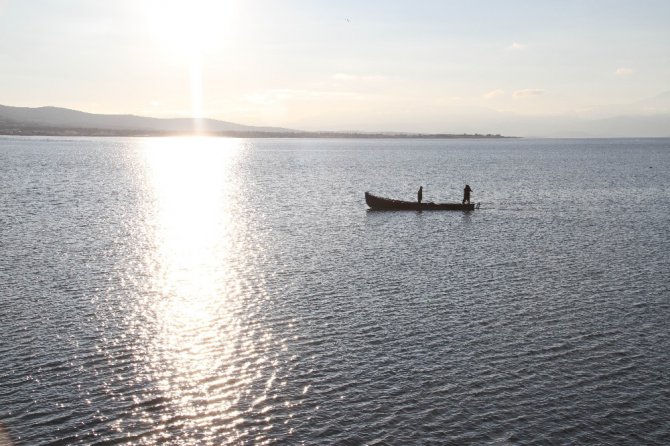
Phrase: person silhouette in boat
x=419 y=195
x=466 y=194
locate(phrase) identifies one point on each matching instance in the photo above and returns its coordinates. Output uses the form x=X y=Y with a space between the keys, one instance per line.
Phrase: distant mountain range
x=648 y=118
x=63 y=121
x=55 y=121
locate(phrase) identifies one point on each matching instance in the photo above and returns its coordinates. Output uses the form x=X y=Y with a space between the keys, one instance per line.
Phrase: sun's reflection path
x=207 y=350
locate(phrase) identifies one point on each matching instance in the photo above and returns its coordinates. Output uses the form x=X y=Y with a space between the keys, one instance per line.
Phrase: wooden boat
x=386 y=204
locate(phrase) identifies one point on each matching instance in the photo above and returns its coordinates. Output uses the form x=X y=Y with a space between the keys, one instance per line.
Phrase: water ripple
x=172 y=291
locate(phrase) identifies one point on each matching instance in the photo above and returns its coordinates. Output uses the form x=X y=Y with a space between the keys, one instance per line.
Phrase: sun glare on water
x=194 y=336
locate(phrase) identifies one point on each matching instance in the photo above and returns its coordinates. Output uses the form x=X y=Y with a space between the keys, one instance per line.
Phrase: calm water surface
x=230 y=291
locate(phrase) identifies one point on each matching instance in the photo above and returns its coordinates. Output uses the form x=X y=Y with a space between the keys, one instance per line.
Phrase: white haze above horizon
x=527 y=68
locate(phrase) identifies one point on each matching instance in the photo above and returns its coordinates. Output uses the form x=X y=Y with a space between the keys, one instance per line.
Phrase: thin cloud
x=344 y=77
x=527 y=92
x=494 y=94
x=277 y=96
x=623 y=72
x=515 y=46
x=354 y=77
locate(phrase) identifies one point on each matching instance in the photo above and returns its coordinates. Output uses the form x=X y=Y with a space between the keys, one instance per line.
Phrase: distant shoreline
x=42 y=131
x=57 y=121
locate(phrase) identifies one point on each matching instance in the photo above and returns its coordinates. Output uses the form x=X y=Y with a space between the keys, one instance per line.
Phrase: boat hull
x=386 y=204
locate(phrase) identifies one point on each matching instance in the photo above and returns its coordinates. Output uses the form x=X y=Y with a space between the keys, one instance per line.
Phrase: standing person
x=419 y=196
x=466 y=194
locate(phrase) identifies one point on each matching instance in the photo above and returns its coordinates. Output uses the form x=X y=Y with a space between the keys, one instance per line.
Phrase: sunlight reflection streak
x=198 y=343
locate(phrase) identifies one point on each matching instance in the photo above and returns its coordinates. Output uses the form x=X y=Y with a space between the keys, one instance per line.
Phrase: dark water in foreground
x=220 y=291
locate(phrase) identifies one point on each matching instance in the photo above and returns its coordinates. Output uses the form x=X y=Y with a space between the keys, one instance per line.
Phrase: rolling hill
x=57 y=121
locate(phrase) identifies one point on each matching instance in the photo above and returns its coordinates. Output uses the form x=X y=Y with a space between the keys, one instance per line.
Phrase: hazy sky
x=338 y=65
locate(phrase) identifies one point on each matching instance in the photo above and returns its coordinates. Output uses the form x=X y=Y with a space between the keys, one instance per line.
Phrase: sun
x=185 y=26
x=187 y=30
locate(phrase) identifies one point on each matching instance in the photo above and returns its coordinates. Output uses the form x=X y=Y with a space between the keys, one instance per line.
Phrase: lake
x=239 y=291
